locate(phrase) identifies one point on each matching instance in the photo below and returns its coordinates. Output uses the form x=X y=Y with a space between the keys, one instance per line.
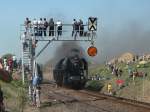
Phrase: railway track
x=117 y=99
x=97 y=102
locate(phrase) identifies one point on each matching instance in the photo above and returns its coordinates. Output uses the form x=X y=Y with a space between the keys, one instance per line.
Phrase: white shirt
x=59 y=23
x=35 y=23
x=5 y=61
x=7 y=68
x=74 y=22
x=14 y=58
x=40 y=23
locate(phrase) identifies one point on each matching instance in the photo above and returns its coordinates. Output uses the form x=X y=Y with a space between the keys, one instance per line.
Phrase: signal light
x=92 y=51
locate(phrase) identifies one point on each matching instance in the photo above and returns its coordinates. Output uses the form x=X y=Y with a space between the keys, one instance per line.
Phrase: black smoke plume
x=65 y=49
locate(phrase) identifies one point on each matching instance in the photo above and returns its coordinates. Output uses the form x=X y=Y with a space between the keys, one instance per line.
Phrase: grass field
x=14 y=95
x=138 y=89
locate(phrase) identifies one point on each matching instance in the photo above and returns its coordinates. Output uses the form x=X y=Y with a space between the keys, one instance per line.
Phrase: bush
x=94 y=85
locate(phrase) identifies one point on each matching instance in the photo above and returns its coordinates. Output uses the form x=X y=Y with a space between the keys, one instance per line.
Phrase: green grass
x=14 y=95
x=94 y=85
x=101 y=71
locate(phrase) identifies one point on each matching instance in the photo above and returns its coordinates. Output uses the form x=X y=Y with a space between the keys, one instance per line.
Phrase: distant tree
x=8 y=55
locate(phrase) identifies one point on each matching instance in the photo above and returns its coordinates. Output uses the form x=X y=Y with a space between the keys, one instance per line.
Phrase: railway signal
x=92 y=24
x=92 y=51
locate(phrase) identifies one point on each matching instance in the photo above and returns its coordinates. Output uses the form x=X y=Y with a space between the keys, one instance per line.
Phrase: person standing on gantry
x=59 y=28
x=27 y=24
x=81 y=27
x=73 y=26
x=35 y=27
x=75 y=29
x=45 y=26
x=51 y=27
x=40 y=27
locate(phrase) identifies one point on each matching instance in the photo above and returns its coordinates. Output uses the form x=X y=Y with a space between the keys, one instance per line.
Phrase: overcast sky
x=115 y=19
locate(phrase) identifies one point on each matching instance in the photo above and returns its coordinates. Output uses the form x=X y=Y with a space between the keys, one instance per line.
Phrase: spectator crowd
x=10 y=63
x=43 y=27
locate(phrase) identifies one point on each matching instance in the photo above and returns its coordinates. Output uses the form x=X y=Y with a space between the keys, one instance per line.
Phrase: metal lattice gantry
x=30 y=36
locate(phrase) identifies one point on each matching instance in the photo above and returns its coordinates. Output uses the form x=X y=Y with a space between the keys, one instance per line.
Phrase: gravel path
x=67 y=100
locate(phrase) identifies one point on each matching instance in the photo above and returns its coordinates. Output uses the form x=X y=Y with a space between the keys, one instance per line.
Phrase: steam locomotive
x=71 y=71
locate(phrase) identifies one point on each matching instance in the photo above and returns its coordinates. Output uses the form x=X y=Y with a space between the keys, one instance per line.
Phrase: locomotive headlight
x=82 y=77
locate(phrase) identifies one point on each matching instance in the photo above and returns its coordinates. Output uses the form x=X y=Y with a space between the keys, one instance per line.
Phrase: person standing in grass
x=34 y=84
x=119 y=72
x=130 y=71
x=109 y=88
x=5 y=63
